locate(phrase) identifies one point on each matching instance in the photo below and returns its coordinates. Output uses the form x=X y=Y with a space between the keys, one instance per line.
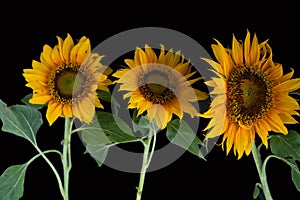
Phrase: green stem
x=146 y=161
x=261 y=172
x=61 y=188
x=66 y=157
x=43 y=153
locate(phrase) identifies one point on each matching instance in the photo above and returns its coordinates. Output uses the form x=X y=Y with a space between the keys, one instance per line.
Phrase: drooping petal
x=288 y=86
x=53 y=112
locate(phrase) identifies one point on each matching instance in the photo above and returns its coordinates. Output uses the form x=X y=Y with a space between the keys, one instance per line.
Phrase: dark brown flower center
x=67 y=83
x=156 y=87
x=250 y=95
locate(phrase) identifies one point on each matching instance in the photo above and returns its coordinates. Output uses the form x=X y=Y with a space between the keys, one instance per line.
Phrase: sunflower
x=251 y=95
x=67 y=79
x=159 y=85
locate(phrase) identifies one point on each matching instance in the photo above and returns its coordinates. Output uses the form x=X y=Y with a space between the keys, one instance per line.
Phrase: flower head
x=159 y=85
x=67 y=78
x=251 y=95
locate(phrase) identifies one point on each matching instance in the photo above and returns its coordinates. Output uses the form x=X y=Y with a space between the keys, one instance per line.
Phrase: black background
x=220 y=177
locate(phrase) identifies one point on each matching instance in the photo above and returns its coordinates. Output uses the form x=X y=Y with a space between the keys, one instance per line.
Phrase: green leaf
x=12 y=182
x=106 y=96
x=256 y=191
x=296 y=93
x=21 y=120
x=98 y=152
x=295 y=173
x=25 y=100
x=93 y=135
x=286 y=145
x=140 y=124
x=108 y=128
x=181 y=134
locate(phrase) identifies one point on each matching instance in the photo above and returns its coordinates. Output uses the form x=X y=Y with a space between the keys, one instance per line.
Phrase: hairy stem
x=66 y=157
x=147 y=156
x=262 y=175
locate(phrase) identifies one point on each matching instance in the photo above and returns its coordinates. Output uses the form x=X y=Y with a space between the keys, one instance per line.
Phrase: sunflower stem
x=66 y=157
x=147 y=156
x=60 y=185
x=262 y=175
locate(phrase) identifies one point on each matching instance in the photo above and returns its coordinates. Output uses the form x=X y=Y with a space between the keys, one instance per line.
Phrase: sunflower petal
x=237 y=52
x=288 y=86
x=67 y=46
x=53 y=112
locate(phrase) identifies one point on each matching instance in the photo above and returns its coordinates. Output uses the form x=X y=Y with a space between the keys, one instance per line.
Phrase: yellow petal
x=255 y=51
x=241 y=140
x=83 y=51
x=288 y=86
x=40 y=67
x=59 y=47
x=207 y=114
x=137 y=58
x=237 y=52
x=53 y=112
x=276 y=124
x=151 y=54
x=130 y=63
x=35 y=77
x=248 y=147
x=275 y=72
x=287 y=118
x=98 y=103
x=238 y=143
x=74 y=52
x=161 y=116
x=40 y=99
x=119 y=73
x=37 y=85
x=46 y=57
x=144 y=106
x=143 y=57
x=247 y=49
x=67 y=111
x=215 y=65
x=175 y=108
x=223 y=58
x=67 y=46
x=86 y=109
x=231 y=137
x=55 y=56
x=184 y=69
x=262 y=133
x=286 y=76
x=201 y=95
x=217 y=121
